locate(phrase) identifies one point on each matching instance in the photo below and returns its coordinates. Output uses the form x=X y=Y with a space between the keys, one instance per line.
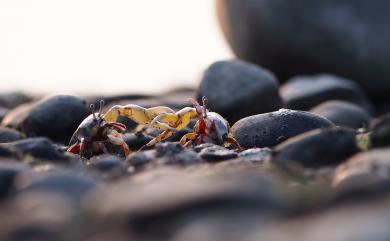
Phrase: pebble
x=306 y=92
x=215 y=153
x=291 y=38
x=169 y=153
x=9 y=135
x=39 y=148
x=343 y=113
x=318 y=148
x=55 y=117
x=236 y=89
x=380 y=132
x=270 y=129
x=107 y=167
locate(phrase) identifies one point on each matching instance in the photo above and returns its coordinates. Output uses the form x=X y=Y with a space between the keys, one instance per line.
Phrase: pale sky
x=112 y=47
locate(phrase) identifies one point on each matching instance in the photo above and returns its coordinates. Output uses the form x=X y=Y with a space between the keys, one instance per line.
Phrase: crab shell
x=91 y=129
x=214 y=126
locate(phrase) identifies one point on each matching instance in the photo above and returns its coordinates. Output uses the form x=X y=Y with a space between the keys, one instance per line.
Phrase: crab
x=94 y=134
x=210 y=127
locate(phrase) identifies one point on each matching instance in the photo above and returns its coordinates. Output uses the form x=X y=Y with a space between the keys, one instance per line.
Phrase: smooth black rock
x=107 y=167
x=215 y=153
x=8 y=173
x=343 y=113
x=270 y=129
x=72 y=186
x=39 y=148
x=364 y=175
x=236 y=89
x=158 y=202
x=256 y=155
x=318 y=148
x=9 y=135
x=347 y=38
x=164 y=154
x=306 y=92
x=56 y=117
x=380 y=132
x=136 y=141
x=11 y=100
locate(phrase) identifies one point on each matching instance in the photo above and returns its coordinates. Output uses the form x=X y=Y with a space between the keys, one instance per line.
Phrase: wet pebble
x=72 y=186
x=215 y=153
x=270 y=129
x=364 y=175
x=56 y=117
x=256 y=155
x=317 y=148
x=306 y=92
x=236 y=89
x=322 y=36
x=107 y=167
x=136 y=141
x=343 y=113
x=8 y=172
x=380 y=132
x=39 y=148
x=12 y=100
x=9 y=135
x=164 y=154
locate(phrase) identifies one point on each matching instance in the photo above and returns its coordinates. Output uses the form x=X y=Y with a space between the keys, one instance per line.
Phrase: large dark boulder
x=344 y=37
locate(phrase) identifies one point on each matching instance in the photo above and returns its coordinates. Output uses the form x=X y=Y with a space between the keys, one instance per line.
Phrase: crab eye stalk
x=92 y=107
x=101 y=107
x=204 y=102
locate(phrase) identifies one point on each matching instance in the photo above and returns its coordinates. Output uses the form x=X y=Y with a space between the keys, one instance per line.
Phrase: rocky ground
x=315 y=166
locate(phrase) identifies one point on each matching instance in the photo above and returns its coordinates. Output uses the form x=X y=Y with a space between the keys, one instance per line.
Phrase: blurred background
x=92 y=46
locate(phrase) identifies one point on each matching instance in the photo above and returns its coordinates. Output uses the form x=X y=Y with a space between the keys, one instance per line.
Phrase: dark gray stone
x=8 y=173
x=380 y=132
x=347 y=38
x=364 y=175
x=317 y=148
x=270 y=129
x=56 y=117
x=39 y=148
x=215 y=153
x=9 y=135
x=342 y=113
x=306 y=92
x=236 y=89
x=107 y=167
x=164 y=154
x=72 y=186
x=11 y=100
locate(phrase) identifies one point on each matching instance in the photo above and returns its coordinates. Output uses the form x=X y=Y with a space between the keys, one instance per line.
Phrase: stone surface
x=380 y=132
x=347 y=38
x=363 y=176
x=9 y=135
x=344 y=114
x=39 y=148
x=236 y=89
x=305 y=92
x=318 y=148
x=270 y=129
x=56 y=117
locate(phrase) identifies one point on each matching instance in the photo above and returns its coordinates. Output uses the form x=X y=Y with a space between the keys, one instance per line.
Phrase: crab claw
x=117 y=125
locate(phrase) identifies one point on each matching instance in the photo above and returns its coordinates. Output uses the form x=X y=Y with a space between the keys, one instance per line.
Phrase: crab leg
x=234 y=142
x=116 y=139
x=174 y=121
x=188 y=137
x=164 y=135
x=136 y=113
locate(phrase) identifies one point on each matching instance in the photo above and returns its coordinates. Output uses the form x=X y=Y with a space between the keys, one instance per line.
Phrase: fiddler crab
x=96 y=130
